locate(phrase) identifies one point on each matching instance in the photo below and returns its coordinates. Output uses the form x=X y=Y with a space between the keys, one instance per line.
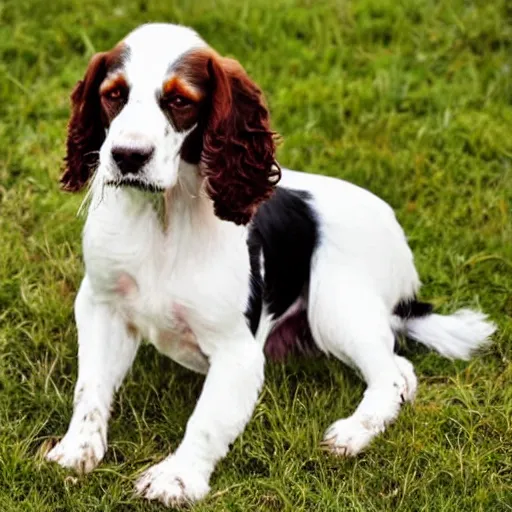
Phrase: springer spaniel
x=190 y=244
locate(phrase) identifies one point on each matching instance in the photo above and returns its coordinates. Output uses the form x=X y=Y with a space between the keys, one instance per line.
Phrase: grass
x=411 y=99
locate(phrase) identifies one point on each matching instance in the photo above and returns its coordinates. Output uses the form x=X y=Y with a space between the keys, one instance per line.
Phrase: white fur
x=185 y=289
x=455 y=336
x=106 y=352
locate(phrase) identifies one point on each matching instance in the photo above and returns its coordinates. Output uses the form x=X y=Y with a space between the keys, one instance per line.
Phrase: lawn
x=411 y=99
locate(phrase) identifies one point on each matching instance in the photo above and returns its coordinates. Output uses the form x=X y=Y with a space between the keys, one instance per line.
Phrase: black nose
x=131 y=160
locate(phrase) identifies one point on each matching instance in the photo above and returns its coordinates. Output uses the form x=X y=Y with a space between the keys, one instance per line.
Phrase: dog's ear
x=86 y=131
x=238 y=146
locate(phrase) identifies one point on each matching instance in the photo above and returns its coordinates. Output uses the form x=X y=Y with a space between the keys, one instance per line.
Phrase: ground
x=411 y=99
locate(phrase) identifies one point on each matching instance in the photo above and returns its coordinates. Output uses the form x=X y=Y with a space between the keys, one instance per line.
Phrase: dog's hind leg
x=349 y=321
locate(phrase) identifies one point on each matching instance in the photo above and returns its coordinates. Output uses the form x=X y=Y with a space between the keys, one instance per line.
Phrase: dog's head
x=161 y=96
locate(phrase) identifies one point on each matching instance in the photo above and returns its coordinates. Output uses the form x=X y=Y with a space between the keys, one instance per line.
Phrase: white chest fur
x=169 y=283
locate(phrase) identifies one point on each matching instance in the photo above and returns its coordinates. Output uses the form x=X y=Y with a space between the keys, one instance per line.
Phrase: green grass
x=411 y=99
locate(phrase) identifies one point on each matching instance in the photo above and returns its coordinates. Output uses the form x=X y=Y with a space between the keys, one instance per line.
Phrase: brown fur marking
x=233 y=141
x=86 y=129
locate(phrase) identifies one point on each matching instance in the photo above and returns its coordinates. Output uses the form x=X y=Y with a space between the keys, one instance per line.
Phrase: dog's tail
x=455 y=336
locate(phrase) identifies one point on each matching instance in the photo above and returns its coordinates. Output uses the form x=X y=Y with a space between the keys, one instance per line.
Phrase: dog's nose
x=131 y=160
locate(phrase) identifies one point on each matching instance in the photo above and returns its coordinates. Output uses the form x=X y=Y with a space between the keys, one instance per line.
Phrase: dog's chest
x=136 y=269
x=157 y=306
x=165 y=285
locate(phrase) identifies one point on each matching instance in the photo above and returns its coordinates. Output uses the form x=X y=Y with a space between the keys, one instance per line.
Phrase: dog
x=197 y=241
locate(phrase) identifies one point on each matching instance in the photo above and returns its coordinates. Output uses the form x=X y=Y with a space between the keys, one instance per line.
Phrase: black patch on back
x=285 y=230
x=412 y=309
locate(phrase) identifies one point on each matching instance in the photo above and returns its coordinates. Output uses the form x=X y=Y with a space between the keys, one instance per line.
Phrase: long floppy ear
x=86 y=131
x=238 y=156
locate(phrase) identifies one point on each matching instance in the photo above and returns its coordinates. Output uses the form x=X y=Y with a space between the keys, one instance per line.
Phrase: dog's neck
x=185 y=204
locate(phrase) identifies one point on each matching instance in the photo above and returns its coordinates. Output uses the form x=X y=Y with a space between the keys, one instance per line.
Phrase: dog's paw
x=81 y=449
x=411 y=381
x=172 y=483
x=348 y=437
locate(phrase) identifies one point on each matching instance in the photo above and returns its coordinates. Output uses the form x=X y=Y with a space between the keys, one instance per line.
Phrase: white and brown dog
x=190 y=244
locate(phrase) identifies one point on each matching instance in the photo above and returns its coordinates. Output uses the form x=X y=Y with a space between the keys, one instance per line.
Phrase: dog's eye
x=115 y=94
x=178 y=101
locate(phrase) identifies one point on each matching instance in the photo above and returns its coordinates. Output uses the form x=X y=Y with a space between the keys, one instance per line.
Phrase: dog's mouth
x=135 y=183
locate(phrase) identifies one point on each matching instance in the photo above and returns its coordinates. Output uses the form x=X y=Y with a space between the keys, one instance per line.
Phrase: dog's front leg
x=225 y=406
x=107 y=348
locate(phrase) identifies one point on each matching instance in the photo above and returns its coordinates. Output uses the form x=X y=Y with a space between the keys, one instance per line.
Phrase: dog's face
x=149 y=106
x=162 y=96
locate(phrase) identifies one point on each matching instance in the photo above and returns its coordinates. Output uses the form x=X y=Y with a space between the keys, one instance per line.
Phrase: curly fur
x=238 y=145
x=86 y=128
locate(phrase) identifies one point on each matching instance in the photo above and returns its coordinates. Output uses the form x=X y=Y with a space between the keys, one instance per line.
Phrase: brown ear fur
x=86 y=131
x=238 y=154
